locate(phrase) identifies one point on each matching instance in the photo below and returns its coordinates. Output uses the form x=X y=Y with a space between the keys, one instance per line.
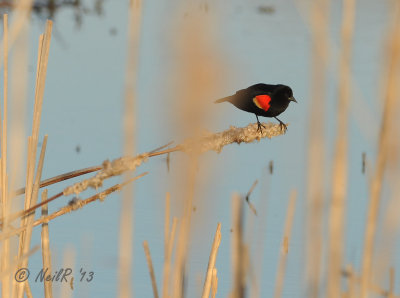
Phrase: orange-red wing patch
x=262 y=101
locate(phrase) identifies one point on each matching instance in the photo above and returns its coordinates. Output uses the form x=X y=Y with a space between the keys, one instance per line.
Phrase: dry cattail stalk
x=46 y=253
x=77 y=203
x=27 y=212
x=207 y=142
x=238 y=249
x=60 y=178
x=216 y=141
x=25 y=238
x=285 y=245
x=68 y=264
x=28 y=290
x=214 y=283
x=121 y=165
x=11 y=268
x=391 y=283
x=151 y=268
x=384 y=146
x=5 y=200
x=179 y=273
x=129 y=129
x=110 y=169
x=167 y=259
x=166 y=222
x=73 y=205
x=316 y=160
x=340 y=163
x=211 y=262
x=31 y=197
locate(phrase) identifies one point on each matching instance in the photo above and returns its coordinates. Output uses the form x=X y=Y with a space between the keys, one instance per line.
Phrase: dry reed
x=384 y=146
x=207 y=142
x=14 y=264
x=316 y=149
x=73 y=205
x=68 y=263
x=60 y=178
x=46 y=253
x=167 y=259
x=285 y=245
x=238 y=249
x=179 y=273
x=5 y=204
x=151 y=268
x=25 y=238
x=340 y=162
x=166 y=223
x=18 y=289
x=28 y=290
x=214 y=283
x=129 y=129
x=76 y=204
x=211 y=262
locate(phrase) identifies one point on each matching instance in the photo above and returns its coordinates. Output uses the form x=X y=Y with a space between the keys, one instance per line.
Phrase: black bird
x=262 y=100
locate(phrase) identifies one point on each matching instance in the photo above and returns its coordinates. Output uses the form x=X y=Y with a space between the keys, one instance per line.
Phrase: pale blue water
x=83 y=106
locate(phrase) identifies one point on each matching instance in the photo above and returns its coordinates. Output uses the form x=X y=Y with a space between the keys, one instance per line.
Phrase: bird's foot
x=260 y=126
x=283 y=126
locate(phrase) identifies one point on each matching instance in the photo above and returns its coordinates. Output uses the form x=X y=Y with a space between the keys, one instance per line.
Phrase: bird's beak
x=293 y=99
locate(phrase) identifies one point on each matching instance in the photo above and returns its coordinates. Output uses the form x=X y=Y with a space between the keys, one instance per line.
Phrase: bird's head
x=285 y=92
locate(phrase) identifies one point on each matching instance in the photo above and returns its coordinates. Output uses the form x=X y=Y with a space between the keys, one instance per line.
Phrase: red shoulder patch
x=262 y=101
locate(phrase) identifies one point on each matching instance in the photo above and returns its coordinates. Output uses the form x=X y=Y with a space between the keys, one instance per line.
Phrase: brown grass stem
x=214 y=283
x=238 y=249
x=129 y=129
x=11 y=268
x=167 y=259
x=179 y=274
x=46 y=253
x=74 y=204
x=77 y=204
x=285 y=245
x=60 y=178
x=340 y=162
x=43 y=55
x=208 y=142
x=25 y=238
x=391 y=283
x=167 y=222
x=24 y=213
x=5 y=202
x=316 y=149
x=388 y=117
x=211 y=262
x=151 y=268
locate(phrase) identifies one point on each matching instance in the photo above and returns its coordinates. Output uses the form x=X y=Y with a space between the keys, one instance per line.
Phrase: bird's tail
x=223 y=99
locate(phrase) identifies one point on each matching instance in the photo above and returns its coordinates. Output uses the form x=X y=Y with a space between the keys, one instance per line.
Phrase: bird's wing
x=261 y=89
x=261 y=86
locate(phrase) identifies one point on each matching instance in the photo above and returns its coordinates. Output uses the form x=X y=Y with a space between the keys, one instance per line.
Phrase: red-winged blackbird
x=262 y=100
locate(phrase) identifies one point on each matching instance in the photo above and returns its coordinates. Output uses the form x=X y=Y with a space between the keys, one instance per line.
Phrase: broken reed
x=9 y=285
x=32 y=183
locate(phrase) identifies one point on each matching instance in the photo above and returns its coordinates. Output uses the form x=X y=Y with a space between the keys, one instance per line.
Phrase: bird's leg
x=259 y=125
x=282 y=125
